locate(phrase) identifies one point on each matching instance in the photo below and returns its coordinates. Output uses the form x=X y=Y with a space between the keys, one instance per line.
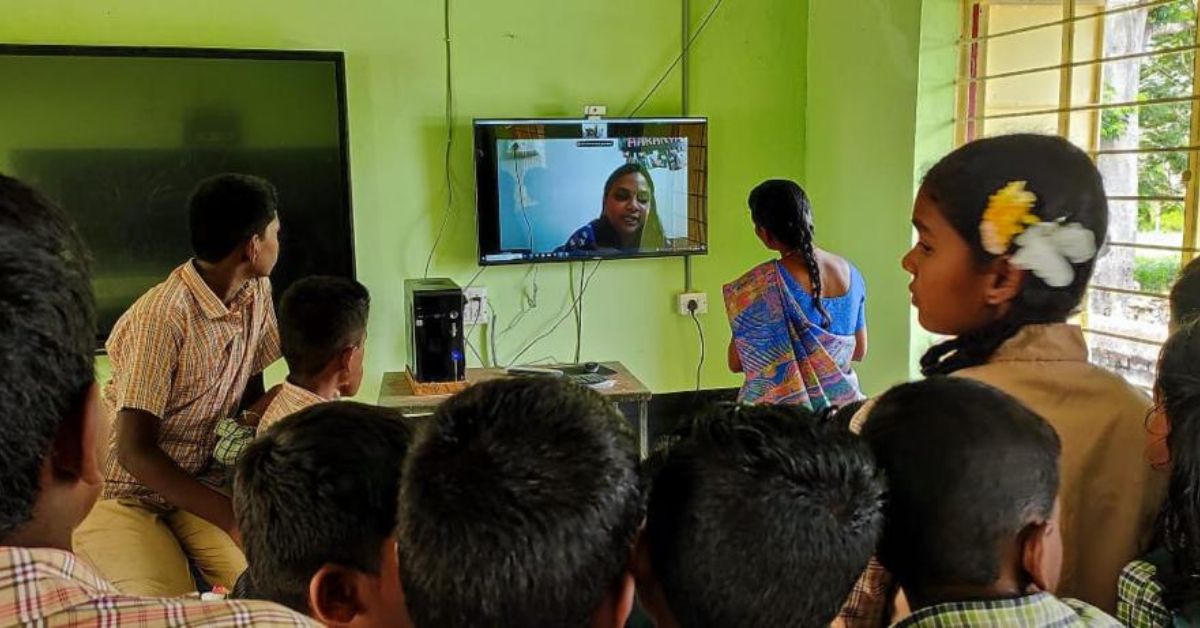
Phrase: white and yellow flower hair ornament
x=1047 y=249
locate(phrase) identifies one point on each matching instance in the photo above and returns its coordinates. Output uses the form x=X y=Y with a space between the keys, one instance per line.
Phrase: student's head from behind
x=322 y=330
x=757 y=516
x=629 y=199
x=1185 y=295
x=315 y=499
x=1008 y=232
x=519 y=507
x=234 y=218
x=52 y=432
x=972 y=487
x=1177 y=395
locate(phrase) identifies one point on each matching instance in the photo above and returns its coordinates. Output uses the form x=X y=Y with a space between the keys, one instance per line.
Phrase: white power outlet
x=476 y=311
x=686 y=298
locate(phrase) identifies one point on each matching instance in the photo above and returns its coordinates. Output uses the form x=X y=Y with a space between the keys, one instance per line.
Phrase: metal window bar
x=1147 y=198
x=1143 y=151
x=1155 y=247
x=1128 y=292
x=965 y=41
x=1109 y=334
x=1161 y=52
x=1090 y=107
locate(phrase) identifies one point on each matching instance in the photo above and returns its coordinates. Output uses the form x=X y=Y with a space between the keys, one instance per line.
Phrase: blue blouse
x=847 y=313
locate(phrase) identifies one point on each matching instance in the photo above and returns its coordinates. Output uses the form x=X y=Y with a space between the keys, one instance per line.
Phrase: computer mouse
x=591 y=367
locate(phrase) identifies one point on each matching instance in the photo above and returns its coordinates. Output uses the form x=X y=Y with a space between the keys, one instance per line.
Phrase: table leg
x=644 y=429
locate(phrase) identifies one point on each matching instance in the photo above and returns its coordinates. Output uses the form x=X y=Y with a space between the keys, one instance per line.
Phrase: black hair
x=518 y=507
x=968 y=468
x=318 y=318
x=1177 y=391
x=1185 y=294
x=1068 y=187
x=760 y=516
x=782 y=209
x=606 y=235
x=48 y=335
x=226 y=210
x=319 y=487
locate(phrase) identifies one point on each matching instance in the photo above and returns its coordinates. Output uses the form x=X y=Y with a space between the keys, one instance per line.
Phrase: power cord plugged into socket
x=476 y=310
x=693 y=303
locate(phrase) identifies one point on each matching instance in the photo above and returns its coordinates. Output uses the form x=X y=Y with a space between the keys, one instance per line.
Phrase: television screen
x=120 y=137
x=561 y=190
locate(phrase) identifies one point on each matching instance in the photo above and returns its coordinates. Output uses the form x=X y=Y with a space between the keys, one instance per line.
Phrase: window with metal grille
x=1116 y=77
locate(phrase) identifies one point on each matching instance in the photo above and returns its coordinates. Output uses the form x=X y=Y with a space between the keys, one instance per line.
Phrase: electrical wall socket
x=476 y=310
x=700 y=298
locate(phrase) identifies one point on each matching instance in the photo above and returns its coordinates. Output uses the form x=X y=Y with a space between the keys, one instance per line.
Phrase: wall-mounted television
x=120 y=136
x=558 y=190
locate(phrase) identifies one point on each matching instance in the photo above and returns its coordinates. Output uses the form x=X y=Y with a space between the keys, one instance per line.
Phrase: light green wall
x=862 y=123
x=936 y=97
x=529 y=58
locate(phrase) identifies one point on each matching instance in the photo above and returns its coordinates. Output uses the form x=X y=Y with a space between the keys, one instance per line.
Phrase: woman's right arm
x=735 y=361
x=860 y=344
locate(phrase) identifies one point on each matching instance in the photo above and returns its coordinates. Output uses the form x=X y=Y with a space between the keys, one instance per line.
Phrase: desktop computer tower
x=435 y=330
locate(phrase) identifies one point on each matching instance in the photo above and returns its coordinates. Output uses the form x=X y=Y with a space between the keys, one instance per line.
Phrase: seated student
x=1163 y=587
x=519 y=504
x=322 y=331
x=52 y=435
x=316 y=503
x=971 y=519
x=1185 y=295
x=756 y=516
x=189 y=352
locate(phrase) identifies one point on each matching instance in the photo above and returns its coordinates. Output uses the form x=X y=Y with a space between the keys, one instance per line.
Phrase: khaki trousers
x=143 y=549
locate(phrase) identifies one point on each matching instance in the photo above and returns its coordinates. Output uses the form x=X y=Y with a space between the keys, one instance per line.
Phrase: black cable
x=579 y=316
x=449 y=139
x=699 y=330
x=686 y=47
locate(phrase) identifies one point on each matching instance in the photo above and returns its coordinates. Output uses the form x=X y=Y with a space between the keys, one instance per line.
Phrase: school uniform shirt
x=1040 y=610
x=290 y=400
x=49 y=587
x=183 y=355
x=1109 y=492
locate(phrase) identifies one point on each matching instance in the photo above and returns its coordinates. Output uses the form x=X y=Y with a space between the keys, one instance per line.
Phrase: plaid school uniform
x=1040 y=610
x=184 y=356
x=48 y=587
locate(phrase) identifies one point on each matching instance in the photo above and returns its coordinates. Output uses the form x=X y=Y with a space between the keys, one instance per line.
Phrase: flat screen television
x=558 y=190
x=120 y=137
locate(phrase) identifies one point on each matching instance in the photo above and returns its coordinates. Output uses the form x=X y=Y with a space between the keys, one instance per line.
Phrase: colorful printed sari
x=787 y=359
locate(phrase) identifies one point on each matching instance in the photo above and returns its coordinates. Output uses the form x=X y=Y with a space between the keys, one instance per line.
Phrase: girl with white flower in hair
x=1009 y=229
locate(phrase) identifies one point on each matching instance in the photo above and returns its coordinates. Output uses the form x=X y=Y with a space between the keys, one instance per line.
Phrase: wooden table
x=395 y=392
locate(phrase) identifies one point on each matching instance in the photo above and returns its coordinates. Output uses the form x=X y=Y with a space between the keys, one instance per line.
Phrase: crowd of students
x=1016 y=485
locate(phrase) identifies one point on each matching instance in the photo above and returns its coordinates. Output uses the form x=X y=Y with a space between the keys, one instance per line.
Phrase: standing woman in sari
x=798 y=321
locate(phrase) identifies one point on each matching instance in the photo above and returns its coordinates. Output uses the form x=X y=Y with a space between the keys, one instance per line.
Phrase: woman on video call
x=628 y=219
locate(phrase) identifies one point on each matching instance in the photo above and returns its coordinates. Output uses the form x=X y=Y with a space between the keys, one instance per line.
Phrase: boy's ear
x=346 y=357
x=79 y=444
x=1006 y=282
x=334 y=594
x=1041 y=554
x=618 y=603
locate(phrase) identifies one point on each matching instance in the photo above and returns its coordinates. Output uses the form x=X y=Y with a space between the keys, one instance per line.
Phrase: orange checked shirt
x=49 y=587
x=182 y=355
x=290 y=400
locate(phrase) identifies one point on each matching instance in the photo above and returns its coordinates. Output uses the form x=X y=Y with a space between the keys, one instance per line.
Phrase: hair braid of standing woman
x=782 y=208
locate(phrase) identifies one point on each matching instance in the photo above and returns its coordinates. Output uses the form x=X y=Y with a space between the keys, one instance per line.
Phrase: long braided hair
x=1068 y=188
x=1177 y=391
x=782 y=209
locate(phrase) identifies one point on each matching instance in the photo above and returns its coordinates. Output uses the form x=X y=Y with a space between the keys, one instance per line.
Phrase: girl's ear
x=1004 y=282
